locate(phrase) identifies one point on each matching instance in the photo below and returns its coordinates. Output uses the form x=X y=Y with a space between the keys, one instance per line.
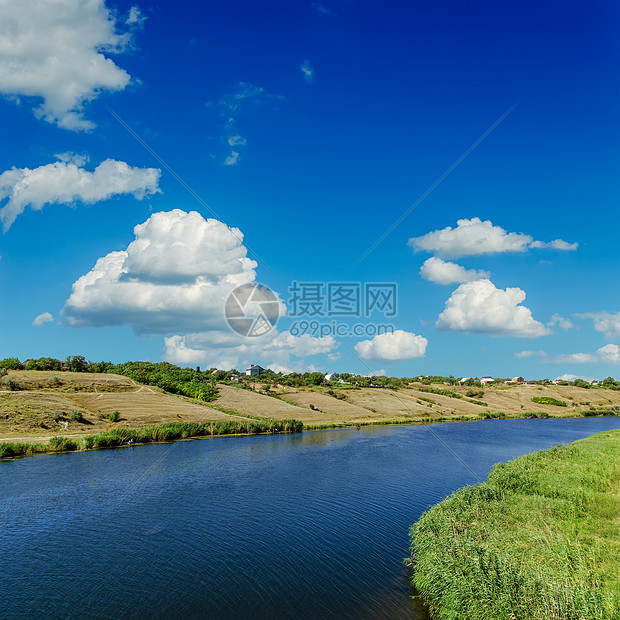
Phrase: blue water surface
x=312 y=525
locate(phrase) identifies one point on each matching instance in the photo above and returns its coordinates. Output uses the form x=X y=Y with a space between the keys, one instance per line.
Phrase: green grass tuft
x=540 y=540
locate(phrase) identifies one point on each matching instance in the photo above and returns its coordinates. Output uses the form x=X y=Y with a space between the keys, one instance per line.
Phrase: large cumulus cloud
x=480 y=307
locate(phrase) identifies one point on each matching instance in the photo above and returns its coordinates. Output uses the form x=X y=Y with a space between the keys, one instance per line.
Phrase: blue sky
x=307 y=130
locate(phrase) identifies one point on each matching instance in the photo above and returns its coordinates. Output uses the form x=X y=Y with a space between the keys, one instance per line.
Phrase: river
x=312 y=525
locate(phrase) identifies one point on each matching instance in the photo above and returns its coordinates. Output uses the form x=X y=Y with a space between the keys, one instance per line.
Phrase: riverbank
x=177 y=431
x=540 y=539
x=153 y=434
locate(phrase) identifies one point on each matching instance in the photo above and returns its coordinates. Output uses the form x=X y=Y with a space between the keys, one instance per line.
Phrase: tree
x=11 y=363
x=314 y=378
x=43 y=363
x=77 y=363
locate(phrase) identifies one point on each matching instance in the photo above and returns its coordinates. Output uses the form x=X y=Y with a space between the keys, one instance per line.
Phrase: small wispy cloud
x=308 y=71
x=237 y=141
x=243 y=97
x=232 y=159
x=525 y=354
x=323 y=10
x=44 y=317
x=556 y=244
x=445 y=272
x=609 y=354
x=561 y=321
x=569 y=377
x=136 y=17
x=606 y=322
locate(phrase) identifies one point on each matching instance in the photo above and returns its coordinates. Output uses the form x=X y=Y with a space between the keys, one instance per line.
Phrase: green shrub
x=440 y=392
x=475 y=393
x=76 y=416
x=114 y=416
x=547 y=400
x=11 y=385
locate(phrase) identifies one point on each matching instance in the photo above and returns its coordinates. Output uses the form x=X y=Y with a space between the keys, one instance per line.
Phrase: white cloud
x=228 y=350
x=244 y=97
x=232 y=159
x=575 y=358
x=303 y=345
x=308 y=71
x=55 y=51
x=474 y=237
x=44 y=317
x=69 y=157
x=480 y=307
x=470 y=238
x=175 y=276
x=556 y=244
x=525 y=354
x=237 y=140
x=605 y=322
x=136 y=17
x=174 y=279
x=561 y=321
x=444 y=272
x=399 y=345
x=65 y=183
x=609 y=354
x=567 y=377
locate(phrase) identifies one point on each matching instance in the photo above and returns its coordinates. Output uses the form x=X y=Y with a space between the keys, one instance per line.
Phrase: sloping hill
x=44 y=404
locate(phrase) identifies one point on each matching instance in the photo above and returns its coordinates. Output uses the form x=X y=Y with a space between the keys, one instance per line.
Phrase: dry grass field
x=46 y=404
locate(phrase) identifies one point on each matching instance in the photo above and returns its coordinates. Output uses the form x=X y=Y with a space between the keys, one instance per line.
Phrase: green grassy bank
x=539 y=540
x=151 y=434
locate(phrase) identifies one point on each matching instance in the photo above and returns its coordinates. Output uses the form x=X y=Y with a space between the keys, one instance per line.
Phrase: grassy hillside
x=539 y=540
x=43 y=404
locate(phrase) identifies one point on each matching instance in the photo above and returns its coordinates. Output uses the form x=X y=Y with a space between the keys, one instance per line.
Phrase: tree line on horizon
x=199 y=384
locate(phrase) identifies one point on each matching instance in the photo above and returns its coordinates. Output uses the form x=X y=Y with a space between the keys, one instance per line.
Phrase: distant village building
x=254 y=370
x=487 y=380
x=516 y=380
x=235 y=377
x=466 y=379
x=332 y=376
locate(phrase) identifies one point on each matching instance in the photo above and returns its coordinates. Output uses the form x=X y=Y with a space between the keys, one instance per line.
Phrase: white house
x=487 y=380
x=466 y=379
x=254 y=370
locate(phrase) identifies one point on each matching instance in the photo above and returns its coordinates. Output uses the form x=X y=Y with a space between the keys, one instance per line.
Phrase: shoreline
x=22 y=447
x=537 y=539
